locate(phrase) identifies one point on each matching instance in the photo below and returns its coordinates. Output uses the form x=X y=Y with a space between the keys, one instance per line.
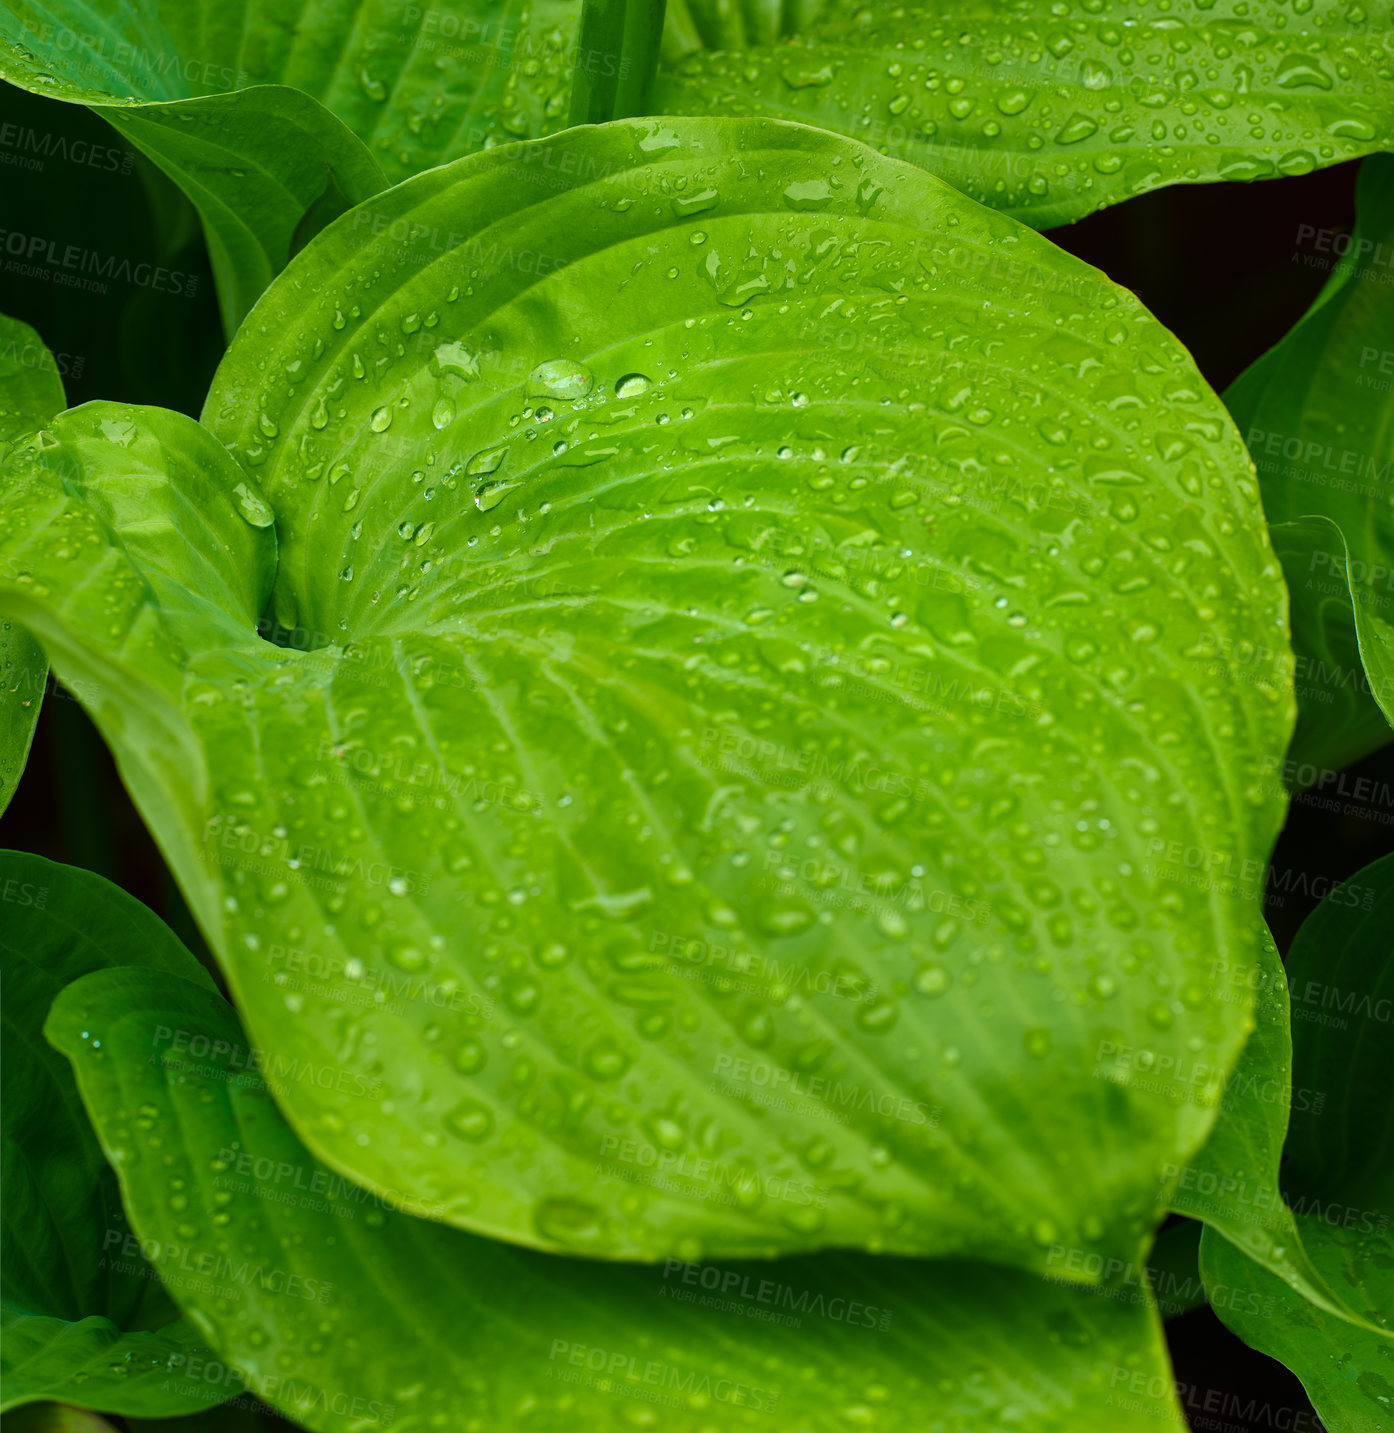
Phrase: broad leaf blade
x=31 y=392
x=670 y=735
x=1051 y=111
x=85 y=1319
x=539 y=1342
x=1233 y=1184
x=1339 y=1170
x=1318 y=416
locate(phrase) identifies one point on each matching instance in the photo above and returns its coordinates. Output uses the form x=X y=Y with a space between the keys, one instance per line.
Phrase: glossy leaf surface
x=731 y=795
x=1318 y=416
x=1339 y=1172
x=1049 y=110
x=340 y=1317
x=85 y=1318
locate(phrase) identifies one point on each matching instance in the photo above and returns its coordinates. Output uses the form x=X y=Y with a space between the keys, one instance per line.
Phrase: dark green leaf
x=1233 y=1183
x=85 y=1318
x=255 y=164
x=616 y=56
x=245 y=105
x=1319 y=420
x=1339 y=1169
x=348 y=1314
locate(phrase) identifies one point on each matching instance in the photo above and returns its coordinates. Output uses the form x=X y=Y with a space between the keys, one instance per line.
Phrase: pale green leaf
x=1053 y=110
x=709 y=794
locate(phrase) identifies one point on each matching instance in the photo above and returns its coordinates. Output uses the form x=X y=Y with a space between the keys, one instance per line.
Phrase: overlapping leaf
x=85 y=1318
x=31 y=392
x=1319 y=419
x=347 y=1314
x=1339 y=1171
x=1233 y=1184
x=267 y=113
x=1052 y=110
x=742 y=778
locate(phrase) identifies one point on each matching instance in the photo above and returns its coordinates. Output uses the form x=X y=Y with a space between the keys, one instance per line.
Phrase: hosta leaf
x=255 y=163
x=258 y=111
x=1339 y=1170
x=727 y=796
x=31 y=392
x=85 y=1319
x=1051 y=110
x=616 y=56
x=346 y=1313
x=1233 y=1183
x=1345 y=1369
x=1318 y=416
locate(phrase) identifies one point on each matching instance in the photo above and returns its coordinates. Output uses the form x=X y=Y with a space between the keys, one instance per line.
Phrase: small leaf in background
x=357 y=1315
x=1318 y=417
x=85 y=1317
x=1232 y=1184
x=31 y=392
x=762 y=785
x=244 y=106
x=1339 y=1171
x=1052 y=110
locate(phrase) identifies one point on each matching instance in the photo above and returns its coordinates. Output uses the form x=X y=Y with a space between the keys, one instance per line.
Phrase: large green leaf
x=348 y=1314
x=1318 y=416
x=1051 y=109
x=31 y=392
x=1339 y=1170
x=714 y=794
x=258 y=164
x=271 y=113
x=84 y=1319
x=1233 y=1183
